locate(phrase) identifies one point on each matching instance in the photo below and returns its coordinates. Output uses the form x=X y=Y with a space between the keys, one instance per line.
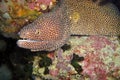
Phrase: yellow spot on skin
x=75 y=16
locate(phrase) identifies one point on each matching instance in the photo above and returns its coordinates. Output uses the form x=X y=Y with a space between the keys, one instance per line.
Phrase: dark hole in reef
x=46 y=70
x=45 y=62
x=66 y=47
x=74 y=63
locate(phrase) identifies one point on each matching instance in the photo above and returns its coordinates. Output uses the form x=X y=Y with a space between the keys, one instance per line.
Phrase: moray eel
x=72 y=17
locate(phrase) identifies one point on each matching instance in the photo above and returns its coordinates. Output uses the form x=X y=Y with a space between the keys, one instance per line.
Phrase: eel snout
x=40 y=37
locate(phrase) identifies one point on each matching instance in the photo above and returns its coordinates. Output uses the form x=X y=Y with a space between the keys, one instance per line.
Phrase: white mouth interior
x=27 y=40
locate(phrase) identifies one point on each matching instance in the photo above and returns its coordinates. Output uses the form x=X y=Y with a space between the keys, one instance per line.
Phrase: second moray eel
x=72 y=17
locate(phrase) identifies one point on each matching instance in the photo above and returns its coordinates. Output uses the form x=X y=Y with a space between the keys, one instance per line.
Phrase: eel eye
x=37 y=32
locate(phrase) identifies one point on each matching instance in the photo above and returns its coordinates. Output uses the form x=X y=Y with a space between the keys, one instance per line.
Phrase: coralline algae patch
x=14 y=14
x=88 y=58
x=101 y=57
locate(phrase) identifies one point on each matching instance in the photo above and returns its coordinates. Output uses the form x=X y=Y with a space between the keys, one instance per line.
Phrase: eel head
x=48 y=33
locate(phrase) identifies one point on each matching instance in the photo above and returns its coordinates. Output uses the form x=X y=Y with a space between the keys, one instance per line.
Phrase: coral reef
x=92 y=57
x=14 y=14
x=82 y=58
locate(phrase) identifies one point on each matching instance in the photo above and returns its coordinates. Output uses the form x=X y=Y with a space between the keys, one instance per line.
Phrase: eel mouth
x=32 y=44
x=24 y=42
x=28 y=40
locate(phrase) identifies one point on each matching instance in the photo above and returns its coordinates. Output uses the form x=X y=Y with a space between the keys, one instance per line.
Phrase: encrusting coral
x=92 y=57
x=14 y=14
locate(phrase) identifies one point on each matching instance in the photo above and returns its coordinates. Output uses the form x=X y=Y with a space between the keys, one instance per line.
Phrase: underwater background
x=83 y=58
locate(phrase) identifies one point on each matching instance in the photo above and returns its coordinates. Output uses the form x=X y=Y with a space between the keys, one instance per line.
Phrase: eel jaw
x=33 y=45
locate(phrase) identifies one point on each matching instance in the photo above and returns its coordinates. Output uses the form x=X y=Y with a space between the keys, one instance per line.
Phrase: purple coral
x=37 y=4
x=99 y=42
x=46 y=2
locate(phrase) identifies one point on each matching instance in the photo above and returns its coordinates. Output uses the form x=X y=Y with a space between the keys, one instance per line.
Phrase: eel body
x=72 y=17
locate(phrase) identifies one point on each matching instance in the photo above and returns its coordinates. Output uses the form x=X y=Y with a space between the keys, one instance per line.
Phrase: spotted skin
x=73 y=17
x=93 y=19
x=48 y=32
